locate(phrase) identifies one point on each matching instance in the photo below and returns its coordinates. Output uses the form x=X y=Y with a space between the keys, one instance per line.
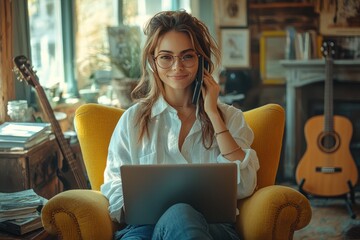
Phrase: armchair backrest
x=267 y=123
x=95 y=123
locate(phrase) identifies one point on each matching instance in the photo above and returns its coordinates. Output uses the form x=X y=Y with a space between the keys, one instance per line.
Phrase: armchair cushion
x=273 y=212
x=78 y=214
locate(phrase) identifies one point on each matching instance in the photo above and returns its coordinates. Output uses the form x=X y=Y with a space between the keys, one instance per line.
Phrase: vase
x=122 y=88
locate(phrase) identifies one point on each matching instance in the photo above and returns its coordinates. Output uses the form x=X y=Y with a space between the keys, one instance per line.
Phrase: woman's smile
x=178 y=76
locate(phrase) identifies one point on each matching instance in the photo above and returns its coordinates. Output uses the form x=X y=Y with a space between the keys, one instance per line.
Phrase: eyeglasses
x=165 y=60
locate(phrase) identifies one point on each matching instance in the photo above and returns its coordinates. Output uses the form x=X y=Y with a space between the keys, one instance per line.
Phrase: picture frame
x=235 y=46
x=342 y=20
x=271 y=52
x=232 y=13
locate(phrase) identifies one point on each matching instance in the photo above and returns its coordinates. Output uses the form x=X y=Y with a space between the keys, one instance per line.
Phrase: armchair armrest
x=273 y=212
x=78 y=214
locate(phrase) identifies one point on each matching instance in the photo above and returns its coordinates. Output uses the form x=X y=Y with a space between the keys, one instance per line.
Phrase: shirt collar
x=160 y=106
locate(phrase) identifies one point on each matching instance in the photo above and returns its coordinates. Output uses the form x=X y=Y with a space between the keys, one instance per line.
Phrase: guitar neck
x=63 y=143
x=328 y=95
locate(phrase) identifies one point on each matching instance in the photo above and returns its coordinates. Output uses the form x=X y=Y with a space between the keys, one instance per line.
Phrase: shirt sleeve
x=118 y=154
x=248 y=167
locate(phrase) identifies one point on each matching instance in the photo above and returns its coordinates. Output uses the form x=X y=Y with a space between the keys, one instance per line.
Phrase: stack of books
x=20 y=211
x=23 y=135
x=303 y=45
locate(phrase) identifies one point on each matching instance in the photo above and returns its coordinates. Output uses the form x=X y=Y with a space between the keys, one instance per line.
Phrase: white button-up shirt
x=161 y=147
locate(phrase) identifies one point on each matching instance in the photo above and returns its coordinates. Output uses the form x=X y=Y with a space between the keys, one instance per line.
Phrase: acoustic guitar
x=70 y=174
x=327 y=167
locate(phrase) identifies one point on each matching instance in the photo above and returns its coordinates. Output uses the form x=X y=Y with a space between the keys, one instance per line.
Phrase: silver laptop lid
x=149 y=190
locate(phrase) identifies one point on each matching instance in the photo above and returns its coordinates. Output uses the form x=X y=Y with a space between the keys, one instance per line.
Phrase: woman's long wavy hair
x=150 y=86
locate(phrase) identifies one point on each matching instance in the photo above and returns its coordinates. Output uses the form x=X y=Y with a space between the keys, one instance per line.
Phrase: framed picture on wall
x=235 y=47
x=272 y=50
x=341 y=20
x=232 y=13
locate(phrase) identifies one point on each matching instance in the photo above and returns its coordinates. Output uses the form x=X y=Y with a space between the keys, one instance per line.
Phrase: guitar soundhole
x=329 y=141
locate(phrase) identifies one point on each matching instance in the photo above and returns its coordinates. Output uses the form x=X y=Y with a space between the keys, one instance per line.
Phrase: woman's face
x=176 y=48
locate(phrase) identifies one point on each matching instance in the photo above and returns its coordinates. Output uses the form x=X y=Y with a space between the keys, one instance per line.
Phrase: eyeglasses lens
x=167 y=60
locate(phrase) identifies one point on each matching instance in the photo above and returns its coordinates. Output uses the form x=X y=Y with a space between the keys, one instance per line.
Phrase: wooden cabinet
x=34 y=168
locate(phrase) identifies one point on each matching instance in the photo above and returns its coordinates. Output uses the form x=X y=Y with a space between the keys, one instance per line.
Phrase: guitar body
x=327 y=164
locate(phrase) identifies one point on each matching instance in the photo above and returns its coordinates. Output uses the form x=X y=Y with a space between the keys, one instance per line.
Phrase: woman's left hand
x=210 y=92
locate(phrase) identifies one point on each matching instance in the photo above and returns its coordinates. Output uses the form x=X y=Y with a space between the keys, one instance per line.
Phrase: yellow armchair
x=272 y=212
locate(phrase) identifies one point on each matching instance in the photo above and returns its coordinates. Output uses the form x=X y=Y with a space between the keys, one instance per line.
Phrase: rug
x=331 y=220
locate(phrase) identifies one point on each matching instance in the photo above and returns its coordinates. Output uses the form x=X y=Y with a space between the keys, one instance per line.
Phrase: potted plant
x=124 y=53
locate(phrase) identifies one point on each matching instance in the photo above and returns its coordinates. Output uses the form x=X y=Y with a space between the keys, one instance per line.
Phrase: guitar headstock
x=328 y=49
x=25 y=71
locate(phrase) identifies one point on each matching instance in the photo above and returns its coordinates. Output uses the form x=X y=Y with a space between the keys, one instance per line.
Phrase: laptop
x=149 y=190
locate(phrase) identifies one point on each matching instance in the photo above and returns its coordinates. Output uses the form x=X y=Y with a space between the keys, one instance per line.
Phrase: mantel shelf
x=318 y=62
x=303 y=72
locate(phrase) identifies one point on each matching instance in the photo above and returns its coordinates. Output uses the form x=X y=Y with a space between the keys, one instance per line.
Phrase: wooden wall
x=269 y=16
x=7 y=90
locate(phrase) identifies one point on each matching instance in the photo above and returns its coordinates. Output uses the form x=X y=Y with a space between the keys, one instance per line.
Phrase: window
x=46 y=41
x=138 y=12
x=92 y=18
x=92 y=42
x=66 y=55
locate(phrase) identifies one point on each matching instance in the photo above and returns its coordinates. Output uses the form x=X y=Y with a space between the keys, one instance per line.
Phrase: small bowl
x=89 y=95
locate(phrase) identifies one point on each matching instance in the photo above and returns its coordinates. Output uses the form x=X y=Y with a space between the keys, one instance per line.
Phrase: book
x=20 y=205
x=23 y=144
x=22 y=131
x=290 y=43
x=299 y=46
x=23 y=134
x=22 y=226
x=19 y=213
x=307 y=45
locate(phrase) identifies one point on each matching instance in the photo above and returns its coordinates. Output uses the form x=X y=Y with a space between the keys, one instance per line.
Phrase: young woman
x=164 y=127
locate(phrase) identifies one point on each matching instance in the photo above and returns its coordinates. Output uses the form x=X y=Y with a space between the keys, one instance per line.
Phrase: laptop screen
x=149 y=190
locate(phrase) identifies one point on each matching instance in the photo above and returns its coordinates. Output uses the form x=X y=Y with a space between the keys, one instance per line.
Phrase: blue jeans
x=179 y=222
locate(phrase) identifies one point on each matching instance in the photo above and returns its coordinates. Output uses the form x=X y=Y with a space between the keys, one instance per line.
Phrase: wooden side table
x=33 y=168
